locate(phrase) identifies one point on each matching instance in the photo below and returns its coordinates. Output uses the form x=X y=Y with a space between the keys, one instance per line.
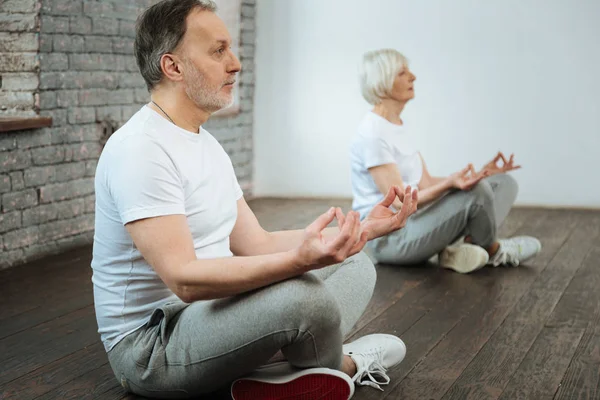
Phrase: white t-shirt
x=380 y=142
x=149 y=168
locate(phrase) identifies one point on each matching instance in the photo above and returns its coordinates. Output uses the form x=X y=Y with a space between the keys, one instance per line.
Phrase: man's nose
x=234 y=65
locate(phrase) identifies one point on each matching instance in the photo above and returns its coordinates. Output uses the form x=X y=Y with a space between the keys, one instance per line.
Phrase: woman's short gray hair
x=378 y=71
x=159 y=30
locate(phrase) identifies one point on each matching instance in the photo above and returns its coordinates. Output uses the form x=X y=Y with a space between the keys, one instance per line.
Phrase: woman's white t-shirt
x=380 y=142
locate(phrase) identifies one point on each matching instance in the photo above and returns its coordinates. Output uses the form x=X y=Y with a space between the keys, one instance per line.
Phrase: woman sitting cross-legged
x=465 y=207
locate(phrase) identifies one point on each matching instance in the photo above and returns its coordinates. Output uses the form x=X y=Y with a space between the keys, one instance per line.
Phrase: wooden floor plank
x=543 y=367
x=92 y=385
x=517 y=217
x=429 y=312
x=582 y=378
x=424 y=323
x=580 y=301
x=432 y=378
x=37 y=284
x=20 y=277
x=50 y=308
x=581 y=298
x=47 y=343
x=491 y=369
x=394 y=282
x=55 y=374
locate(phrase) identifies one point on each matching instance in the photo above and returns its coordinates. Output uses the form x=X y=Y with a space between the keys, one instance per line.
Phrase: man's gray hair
x=159 y=30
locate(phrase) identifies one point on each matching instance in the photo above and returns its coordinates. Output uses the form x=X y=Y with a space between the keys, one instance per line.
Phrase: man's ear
x=171 y=67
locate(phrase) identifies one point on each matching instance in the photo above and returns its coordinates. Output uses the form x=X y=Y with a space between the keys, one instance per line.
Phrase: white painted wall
x=522 y=76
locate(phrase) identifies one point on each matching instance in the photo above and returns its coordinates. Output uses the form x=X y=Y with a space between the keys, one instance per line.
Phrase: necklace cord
x=160 y=108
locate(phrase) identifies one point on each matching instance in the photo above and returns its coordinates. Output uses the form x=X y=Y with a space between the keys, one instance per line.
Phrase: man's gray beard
x=198 y=91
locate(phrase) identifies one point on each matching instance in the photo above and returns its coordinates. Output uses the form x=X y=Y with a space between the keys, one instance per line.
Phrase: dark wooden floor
x=531 y=332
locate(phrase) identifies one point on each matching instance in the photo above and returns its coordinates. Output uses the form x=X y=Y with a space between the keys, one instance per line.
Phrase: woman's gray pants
x=477 y=213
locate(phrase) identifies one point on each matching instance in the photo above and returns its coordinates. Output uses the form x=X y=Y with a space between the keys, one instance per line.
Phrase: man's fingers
x=389 y=198
x=322 y=221
x=406 y=197
x=364 y=237
x=415 y=201
x=407 y=192
x=342 y=237
x=339 y=215
x=354 y=235
x=400 y=193
x=406 y=210
x=408 y=205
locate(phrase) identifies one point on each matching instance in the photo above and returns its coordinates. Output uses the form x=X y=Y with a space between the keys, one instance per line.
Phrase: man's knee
x=306 y=300
x=365 y=269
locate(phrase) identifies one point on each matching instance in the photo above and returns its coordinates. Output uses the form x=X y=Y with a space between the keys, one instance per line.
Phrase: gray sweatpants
x=190 y=349
x=477 y=213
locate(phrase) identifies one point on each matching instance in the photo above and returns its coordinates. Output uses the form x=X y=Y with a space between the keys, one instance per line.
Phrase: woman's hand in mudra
x=466 y=178
x=493 y=168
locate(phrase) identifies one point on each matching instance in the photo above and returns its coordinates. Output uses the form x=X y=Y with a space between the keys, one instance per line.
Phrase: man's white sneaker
x=282 y=381
x=373 y=356
x=463 y=258
x=515 y=250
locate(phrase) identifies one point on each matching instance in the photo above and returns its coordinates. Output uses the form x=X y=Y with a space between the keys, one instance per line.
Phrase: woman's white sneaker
x=373 y=356
x=515 y=250
x=463 y=258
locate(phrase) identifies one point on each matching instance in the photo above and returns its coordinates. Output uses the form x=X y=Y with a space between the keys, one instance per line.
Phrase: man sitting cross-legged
x=190 y=292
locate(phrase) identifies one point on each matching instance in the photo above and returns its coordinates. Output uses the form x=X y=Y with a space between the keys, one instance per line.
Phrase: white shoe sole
x=464 y=258
x=311 y=383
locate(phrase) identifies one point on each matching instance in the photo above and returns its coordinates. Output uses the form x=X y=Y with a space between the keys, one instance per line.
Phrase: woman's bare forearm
x=434 y=191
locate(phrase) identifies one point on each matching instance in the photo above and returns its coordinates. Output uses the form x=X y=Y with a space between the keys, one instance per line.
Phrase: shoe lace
x=369 y=371
x=508 y=253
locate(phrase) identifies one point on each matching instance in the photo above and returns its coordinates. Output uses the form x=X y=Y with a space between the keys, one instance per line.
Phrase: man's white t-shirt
x=380 y=142
x=150 y=168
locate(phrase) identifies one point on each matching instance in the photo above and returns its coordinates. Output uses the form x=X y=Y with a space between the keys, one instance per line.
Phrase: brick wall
x=19 y=63
x=89 y=84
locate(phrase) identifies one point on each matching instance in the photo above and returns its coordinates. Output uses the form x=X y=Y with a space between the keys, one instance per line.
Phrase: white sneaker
x=373 y=356
x=282 y=381
x=515 y=250
x=464 y=257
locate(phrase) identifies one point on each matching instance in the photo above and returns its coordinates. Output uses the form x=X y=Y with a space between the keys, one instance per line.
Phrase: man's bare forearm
x=281 y=241
x=222 y=277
